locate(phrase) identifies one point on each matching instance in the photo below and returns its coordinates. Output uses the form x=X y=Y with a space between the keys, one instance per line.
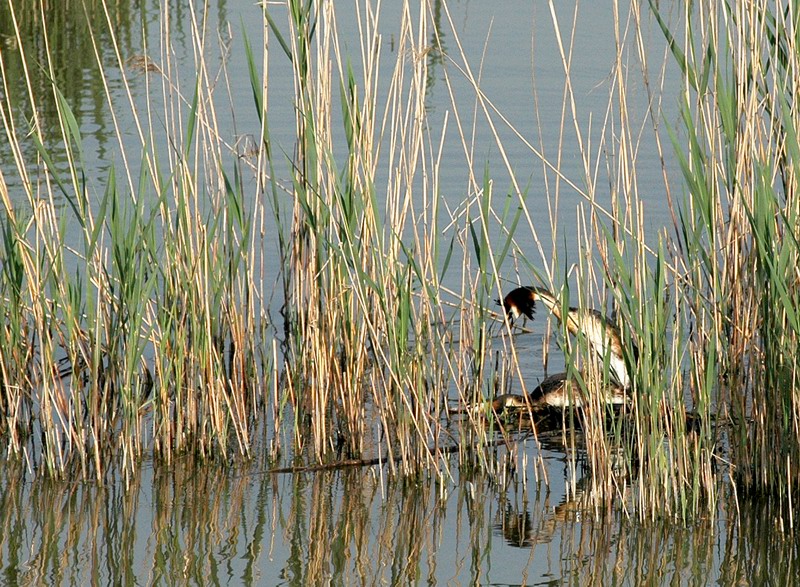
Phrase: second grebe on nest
x=557 y=391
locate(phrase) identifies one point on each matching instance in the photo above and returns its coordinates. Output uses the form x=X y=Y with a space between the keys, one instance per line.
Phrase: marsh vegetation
x=223 y=296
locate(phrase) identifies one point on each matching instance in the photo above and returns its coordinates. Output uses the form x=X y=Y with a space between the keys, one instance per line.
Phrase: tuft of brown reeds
x=739 y=236
x=130 y=306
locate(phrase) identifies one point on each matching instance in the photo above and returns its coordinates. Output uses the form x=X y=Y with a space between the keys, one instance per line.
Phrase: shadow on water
x=206 y=525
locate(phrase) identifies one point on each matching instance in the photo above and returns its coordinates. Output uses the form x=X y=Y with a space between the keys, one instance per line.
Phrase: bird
x=555 y=391
x=562 y=391
x=601 y=333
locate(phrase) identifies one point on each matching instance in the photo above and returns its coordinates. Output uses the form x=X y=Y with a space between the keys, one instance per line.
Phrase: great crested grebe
x=601 y=333
x=556 y=391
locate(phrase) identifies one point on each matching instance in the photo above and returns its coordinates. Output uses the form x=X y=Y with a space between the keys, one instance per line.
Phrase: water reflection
x=58 y=37
x=63 y=40
x=437 y=48
x=75 y=45
x=757 y=550
x=214 y=525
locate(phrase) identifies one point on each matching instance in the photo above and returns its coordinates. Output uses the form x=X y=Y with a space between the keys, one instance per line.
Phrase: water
x=189 y=524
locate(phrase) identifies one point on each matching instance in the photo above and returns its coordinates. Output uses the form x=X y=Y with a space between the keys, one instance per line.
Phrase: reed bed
x=739 y=234
x=135 y=320
x=712 y=306
x=130 y=314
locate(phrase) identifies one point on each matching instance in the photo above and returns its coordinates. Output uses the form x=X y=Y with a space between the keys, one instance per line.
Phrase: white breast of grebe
x=620 y=369
x=598 y=337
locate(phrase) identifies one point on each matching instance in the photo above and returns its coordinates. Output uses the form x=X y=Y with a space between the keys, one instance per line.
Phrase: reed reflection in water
x=211 y=525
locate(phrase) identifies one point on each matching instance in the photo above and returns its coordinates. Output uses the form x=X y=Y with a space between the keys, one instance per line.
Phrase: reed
x=651 y=457
x=130 y=311
x=740 y=239
x=134 y=318
x=368 y=339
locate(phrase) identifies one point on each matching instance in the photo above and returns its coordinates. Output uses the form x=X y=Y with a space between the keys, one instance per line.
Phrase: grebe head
x=520 y=302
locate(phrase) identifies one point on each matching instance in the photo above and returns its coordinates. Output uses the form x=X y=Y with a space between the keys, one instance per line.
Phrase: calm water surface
x=189 y=525
x=185 y=524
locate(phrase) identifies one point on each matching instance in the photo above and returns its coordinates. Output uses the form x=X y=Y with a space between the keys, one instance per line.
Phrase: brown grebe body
x=561 y=391
x=556 y=391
